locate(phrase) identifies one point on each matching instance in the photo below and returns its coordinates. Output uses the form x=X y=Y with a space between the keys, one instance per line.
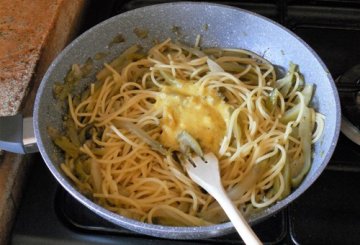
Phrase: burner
x=349 y=90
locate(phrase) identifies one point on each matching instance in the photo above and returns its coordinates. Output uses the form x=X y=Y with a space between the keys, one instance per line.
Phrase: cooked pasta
x=229 y=101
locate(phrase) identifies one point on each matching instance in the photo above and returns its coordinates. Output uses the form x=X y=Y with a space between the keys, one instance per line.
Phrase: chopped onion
x=213 y=66
x=308 y=92
x=194 y=51
x=187 y=140
x=96 y=175
x=145 y=137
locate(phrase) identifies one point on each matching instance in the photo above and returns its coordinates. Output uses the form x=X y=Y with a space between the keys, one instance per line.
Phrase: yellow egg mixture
x=199 y=111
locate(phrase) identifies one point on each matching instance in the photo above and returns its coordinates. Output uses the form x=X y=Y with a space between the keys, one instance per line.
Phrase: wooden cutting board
x=32 y=33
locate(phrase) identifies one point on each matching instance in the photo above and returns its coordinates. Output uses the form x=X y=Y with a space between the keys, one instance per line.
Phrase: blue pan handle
x=17 y=134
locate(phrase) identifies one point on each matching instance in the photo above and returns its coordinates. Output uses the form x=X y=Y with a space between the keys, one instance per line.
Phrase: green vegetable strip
x=71 y=132
x=62 y=90
x=271 y=101
x=287 y=179
x=80 y=171
x=305 y=133
x=284 y=84
x=232 y=67
x=63 y=142
x=292 y=114
x=66 y=145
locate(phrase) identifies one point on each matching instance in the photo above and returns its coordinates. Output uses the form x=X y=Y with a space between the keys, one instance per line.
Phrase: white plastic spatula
x=205 y=172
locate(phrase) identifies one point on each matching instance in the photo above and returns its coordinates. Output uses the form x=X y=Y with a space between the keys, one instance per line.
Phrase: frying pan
x=219 y=26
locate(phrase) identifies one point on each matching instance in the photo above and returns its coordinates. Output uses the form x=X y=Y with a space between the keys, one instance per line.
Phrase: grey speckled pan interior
x=227 y=27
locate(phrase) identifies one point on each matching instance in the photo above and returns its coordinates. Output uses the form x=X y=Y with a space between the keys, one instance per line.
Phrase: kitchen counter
x=32 y=33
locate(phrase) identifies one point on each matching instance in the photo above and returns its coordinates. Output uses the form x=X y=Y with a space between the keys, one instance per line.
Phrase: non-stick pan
x=219 y=26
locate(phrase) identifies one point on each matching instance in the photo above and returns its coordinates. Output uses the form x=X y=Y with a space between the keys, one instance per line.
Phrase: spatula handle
x=235 y=216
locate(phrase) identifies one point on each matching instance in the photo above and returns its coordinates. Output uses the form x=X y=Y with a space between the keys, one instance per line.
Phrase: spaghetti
x=229 y=100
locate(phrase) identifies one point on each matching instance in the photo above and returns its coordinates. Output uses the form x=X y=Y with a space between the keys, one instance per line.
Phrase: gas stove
x=327 y=213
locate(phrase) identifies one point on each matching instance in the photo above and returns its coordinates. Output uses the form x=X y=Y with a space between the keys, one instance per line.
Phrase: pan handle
x=17 y=134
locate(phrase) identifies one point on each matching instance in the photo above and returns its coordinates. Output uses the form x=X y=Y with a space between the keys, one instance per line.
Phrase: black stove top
x=327 y=213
